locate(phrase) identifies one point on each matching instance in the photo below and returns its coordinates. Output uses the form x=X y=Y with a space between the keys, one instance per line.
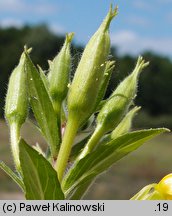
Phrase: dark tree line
x=155 y=85
x=45 y=46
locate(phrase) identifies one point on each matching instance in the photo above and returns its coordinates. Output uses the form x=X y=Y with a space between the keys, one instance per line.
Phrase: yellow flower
x=165 y=187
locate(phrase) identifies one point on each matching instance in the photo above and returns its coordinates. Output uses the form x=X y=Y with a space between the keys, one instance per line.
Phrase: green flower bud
x=59 y=74
x=120 y=100
x=16 y=100
x=125 y=125
x=16 y=106
x=90 y=72
x=115 y=108
x=85 y=87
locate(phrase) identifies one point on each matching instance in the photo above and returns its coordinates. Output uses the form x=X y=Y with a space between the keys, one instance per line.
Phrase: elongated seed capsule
x=125 y=125
x=116 y=107
x=16 y=106
x=165 y=187
x=90 y=71
x=85 y=86
x=59 y=74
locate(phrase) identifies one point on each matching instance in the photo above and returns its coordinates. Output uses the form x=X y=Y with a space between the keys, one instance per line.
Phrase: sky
x=140 y=25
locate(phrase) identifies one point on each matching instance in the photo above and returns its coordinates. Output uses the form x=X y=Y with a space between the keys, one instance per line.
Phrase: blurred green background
x=146 y=165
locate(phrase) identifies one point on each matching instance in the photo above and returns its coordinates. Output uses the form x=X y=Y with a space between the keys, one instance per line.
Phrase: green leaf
x=104 y=156
x=77 y=148
x=13 y=175
x=42 y=107
x=107 y=75
x=80 y=191
x=44 y=78
x=100 y=105
x=40 y=179
x=125 y=124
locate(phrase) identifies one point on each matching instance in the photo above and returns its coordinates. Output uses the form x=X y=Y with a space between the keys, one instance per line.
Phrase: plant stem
x=98 y=133
x=15 y=136
x=57 y=108
x=69 y=136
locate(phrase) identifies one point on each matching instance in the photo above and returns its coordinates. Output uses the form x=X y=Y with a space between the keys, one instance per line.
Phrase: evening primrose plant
x=85 y=134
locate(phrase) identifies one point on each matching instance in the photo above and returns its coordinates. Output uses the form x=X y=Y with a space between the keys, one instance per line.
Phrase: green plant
x=70 y=165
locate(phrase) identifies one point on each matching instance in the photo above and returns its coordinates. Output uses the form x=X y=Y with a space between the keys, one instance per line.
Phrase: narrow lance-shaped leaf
x=40 y=179
x=109 y=67
x=80 y=191
x=42 y=107
x=12 y=175
x=104 y=156
x=44 y=78
x=77 y=148
x=125 y=125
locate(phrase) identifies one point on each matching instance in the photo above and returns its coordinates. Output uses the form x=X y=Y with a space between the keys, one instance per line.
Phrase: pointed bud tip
x=163 y=129
x=167 y=130
x=39 y=67
x=50 y=63
x=136 y=109
x=27 y=50
x=69 y=37
x=141 y=62
x=113 y=12
x=140 y=65
x=110 y=65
